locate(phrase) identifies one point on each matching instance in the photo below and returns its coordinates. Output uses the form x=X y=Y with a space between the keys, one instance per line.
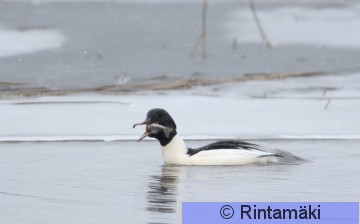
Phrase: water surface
x=126 y=182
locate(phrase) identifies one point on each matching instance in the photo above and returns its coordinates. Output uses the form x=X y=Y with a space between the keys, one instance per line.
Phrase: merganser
x=160 y=125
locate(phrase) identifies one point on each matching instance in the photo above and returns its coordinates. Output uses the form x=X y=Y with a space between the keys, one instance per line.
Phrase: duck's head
x=159 y=125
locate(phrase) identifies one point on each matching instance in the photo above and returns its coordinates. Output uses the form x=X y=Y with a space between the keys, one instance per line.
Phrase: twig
x=327 y=104
x=195 y=46
x=265 y=40
x=204 y=29
x=202 y=36
x=234 y=44
x=325 y=91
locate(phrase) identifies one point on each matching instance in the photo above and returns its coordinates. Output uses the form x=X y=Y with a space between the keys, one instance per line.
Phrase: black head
x=161 y=117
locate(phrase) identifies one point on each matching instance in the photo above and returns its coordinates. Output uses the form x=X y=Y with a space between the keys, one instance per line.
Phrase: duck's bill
x=144 y=136
x=147 y=121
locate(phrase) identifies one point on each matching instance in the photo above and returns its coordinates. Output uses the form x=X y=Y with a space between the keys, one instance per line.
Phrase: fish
x=154 y=129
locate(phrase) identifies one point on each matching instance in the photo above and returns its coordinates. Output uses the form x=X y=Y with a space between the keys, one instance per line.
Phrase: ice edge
x=107 y=138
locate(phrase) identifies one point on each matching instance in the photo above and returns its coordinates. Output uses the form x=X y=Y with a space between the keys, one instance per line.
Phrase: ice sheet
x=17 y=42
x=200 y=113
x=334 y=27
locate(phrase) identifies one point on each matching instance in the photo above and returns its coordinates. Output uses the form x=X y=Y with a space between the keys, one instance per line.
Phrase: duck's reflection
x=162 y=194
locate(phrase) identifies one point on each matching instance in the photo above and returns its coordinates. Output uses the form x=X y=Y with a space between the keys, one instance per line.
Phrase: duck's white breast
x=175 y=152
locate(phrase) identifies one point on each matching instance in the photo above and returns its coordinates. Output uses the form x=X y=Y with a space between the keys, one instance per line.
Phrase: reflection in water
x=162 y=194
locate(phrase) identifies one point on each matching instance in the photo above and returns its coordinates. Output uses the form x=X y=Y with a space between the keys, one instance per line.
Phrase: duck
x=161 y=126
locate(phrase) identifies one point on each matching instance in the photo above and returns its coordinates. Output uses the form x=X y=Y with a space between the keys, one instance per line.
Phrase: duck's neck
x=175 y=151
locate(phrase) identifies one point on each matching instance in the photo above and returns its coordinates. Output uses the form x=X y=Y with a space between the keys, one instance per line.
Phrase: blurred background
x=47 y=46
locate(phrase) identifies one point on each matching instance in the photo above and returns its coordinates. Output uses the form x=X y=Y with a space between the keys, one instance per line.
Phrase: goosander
x=161 y=126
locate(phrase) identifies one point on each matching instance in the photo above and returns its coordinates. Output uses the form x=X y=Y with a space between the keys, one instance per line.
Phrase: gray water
x=126 y=181
x=107 y=41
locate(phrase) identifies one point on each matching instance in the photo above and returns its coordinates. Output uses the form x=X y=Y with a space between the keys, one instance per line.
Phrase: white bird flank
x=176 y=152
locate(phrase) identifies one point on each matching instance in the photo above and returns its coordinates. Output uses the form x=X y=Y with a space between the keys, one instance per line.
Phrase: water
x=126 y=181
x=110 y=43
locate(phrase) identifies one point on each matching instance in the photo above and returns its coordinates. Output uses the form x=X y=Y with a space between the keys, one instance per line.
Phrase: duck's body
x=175 y=151
x=224 y=153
